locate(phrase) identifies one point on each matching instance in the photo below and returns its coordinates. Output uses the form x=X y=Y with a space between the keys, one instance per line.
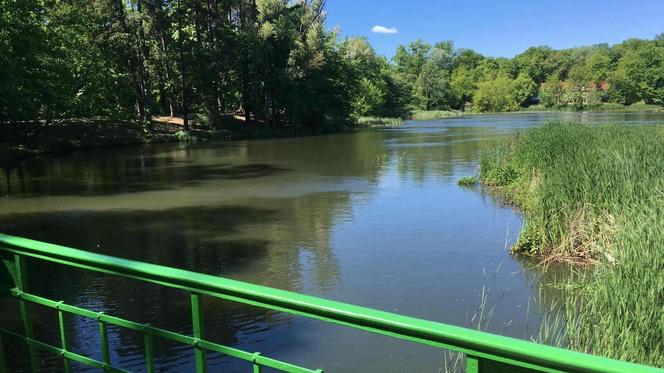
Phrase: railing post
x=197 y=321
x=21 y=285
x=257 y=367
x=103 y=337
x=63 y=339
x=3 y=362
x=472 y=364
x=149 y=352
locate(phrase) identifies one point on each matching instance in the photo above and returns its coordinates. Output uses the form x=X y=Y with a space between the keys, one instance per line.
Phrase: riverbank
x=390 y=122
x=29 y=139
x=435 y=114
x=379 y=122
x=606 y=106
x=594 y=194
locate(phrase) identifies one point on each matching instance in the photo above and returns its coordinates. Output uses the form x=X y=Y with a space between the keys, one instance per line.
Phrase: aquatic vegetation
x=594 y=194
x=468 y=180
x=434 y=114
x=379 y=122
x=185 y=137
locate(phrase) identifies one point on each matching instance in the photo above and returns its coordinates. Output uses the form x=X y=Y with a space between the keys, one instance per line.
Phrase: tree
x=535 y=62
x=410 y=60
x=503 y=94
x=432 y=87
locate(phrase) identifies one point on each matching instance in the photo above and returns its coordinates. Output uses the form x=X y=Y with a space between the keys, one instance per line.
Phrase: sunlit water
x=373 y=218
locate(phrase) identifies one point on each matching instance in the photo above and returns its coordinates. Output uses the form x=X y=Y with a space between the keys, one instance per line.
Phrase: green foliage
x=277 y=64
x=273 y=60
x=594 y=193
x=410 y=60
x=523 y=88
x=577 y=78
x=379 y=122
x=529 y=242
x=380 y=92
x=577 y=97
x=503 y=94
x=433 y=114
x=185 y=137
x=622 y=89
x=536 y=63
x=468 y=181
x=494 y=95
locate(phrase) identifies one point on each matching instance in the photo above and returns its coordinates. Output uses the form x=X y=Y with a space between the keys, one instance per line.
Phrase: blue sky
x=497 y=28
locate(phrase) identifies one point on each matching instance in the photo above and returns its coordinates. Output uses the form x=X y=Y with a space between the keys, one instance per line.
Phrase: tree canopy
x=275 y=62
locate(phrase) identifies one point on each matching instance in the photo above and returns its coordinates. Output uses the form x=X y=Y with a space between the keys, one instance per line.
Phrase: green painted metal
x=197 y=322
x=63 y=337
x=472 y=364
x=149 y=352
x=65 y=354
x=479 y=346
x=22 y=284
x=103 y=337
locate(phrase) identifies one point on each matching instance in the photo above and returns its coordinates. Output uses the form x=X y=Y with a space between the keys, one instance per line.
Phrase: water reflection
x=373 y=218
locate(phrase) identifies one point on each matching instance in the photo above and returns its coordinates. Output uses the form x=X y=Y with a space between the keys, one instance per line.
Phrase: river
x=373 y=218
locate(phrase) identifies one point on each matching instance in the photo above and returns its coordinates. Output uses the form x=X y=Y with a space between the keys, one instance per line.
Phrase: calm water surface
x=373 y=218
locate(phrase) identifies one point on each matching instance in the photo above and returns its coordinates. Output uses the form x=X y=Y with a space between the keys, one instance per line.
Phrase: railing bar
x=113 y=320
x=243 y=354
x=149 y=352
x=389 y=333
x=103 y=337
x=480 y=344
x=317 y=316
x=22 y=284
x=197 y=322
x=257 y=367
x=63 y=339
x=262 y=360
x=67 y=354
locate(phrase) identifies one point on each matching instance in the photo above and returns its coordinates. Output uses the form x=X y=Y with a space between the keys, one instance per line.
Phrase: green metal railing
x=482 y=350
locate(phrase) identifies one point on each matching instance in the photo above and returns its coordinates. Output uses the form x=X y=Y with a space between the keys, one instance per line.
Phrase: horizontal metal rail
x=478 y=346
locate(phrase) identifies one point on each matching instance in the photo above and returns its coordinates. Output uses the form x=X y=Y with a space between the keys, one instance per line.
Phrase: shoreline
x=29 y=140
x=60 y=137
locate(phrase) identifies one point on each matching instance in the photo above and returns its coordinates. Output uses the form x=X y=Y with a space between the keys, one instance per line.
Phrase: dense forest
x=275 y=62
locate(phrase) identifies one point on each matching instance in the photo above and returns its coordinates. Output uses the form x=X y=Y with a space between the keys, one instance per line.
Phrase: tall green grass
x=434 y=114
x=594 y=194
x=379 y=122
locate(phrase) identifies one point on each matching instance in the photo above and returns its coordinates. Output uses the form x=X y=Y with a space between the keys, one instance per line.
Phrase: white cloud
x=384 y=30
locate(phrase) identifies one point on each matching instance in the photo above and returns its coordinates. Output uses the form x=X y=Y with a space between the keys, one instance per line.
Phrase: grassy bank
x=382 y=122
x=434 y=114
x=594 y=194
x=606 y=106
x=379 y=122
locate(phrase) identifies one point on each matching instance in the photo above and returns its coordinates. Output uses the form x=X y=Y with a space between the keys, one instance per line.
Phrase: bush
x=185 y=137
x=503 y=94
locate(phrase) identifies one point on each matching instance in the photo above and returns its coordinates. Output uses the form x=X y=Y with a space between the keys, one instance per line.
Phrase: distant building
x=600 y=86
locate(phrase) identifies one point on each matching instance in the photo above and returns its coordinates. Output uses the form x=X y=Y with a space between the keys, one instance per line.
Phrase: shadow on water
x=123 y=177
x=204 y=239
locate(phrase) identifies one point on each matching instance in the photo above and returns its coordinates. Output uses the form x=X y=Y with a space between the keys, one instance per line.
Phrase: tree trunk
x=122 y=19
x=183 y=85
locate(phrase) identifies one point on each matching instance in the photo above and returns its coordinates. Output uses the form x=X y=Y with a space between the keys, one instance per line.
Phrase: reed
x=434 y=114
x=379 y=122
x=594 y=194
